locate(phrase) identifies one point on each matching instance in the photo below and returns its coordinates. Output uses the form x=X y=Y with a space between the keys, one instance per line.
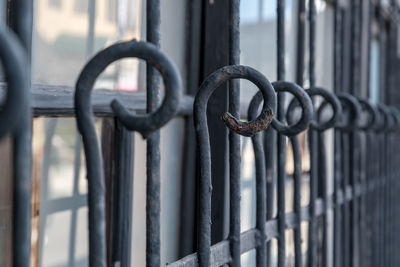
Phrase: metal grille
x=362 y=207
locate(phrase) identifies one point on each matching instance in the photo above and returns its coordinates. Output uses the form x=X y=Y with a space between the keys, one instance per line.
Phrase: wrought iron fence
x=363 y=207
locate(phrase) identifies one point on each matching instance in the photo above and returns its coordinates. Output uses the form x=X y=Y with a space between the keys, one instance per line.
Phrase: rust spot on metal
x=249 y=128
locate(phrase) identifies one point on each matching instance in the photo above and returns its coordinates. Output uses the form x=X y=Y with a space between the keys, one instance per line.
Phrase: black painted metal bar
x=188 y=209
x=337 y=24
x=323 y=179
x=122 y=186
x=153 y=21
x=297 y=172
x=355 y=64
x=20 y=21
x=337 y=259
x=281 y=147
x=234 y=139
x=214 y=55
x=312 y=137
x=261 y=190
x=297 y=177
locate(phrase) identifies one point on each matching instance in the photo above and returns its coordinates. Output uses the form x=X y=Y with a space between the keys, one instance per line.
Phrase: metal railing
x=364 y=202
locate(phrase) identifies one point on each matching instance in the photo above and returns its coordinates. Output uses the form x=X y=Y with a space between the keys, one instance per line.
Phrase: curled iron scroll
x=148 y=123
x=372 y=113
x=335 y=104
x=17 y=74
x=211 y=83
x=144 y=124
x=396 y=118
x=355 y=109
x=329 y=98
x=301 y=96
x=391 y=118
x=387 y=121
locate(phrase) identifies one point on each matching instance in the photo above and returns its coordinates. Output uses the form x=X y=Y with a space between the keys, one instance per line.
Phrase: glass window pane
x=61 y=41
x=59 y=162
x=54 y=249
x=258 y=22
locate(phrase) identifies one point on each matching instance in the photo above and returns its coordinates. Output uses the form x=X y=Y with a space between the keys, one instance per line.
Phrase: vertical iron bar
x=301 y=20
x=387 y=86
x=297 y=176
x=153 y=143
x=281 y=138
x=261 y=204
x=376 y=218
x=368 y=260
x=188 y=192
x=234 y=139
x=324 y=195
x=381 y=148
x=389 y=193
x=270 y=151
x=345 y=145
x=354 y=136
x=382 y=200
x=20 y=21
x=337 y=256
x=346 y=209
x=215 y=54
x=297 y=173
x=122 y=196
x=107 y=145
x=395 y=161
x=369 y=197
x=389 y=67
x=122 y=179
x=313 y=229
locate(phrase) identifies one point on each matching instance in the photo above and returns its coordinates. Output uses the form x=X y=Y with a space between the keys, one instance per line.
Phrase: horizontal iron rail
x=57 y=101
x=220 y=254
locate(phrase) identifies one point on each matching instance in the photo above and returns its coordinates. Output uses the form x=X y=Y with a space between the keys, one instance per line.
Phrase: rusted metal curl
x=248 y=129
x=210 y=84
x=264 y=119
